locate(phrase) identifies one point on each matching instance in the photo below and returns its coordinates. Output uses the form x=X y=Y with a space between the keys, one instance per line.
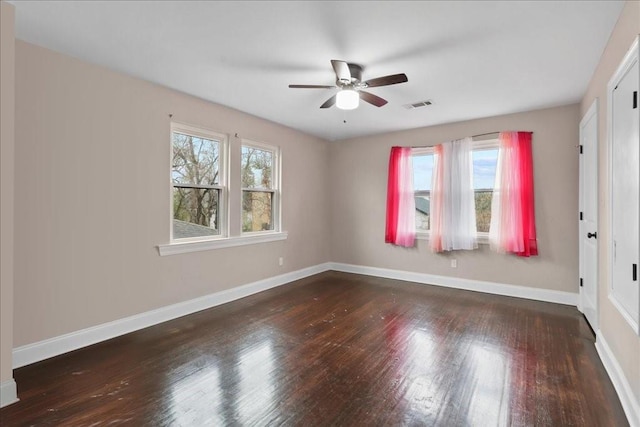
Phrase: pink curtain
x=513 y=224
x=401 y=210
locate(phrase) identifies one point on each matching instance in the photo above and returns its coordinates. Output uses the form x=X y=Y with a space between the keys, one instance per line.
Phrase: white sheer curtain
x=453 y=210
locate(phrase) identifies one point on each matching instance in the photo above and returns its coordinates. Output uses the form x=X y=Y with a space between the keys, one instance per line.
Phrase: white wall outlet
x=454 y=263
x=280 y=261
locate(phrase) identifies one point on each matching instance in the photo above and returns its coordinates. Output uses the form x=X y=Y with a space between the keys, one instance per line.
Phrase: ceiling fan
x=349 y=81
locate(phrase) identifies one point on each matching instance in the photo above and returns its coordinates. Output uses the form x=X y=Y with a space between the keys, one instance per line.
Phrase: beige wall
x=624 y=343
x=92 y=198
x=7 y=146
x=359 y=192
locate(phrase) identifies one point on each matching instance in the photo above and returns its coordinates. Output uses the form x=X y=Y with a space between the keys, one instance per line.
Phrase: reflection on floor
x=335 y=349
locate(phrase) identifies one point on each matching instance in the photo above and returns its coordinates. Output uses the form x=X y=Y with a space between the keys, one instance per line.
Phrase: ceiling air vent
x=418 y=105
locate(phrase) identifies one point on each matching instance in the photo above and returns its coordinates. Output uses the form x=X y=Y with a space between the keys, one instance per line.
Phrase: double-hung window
x=422 y=173
x=485 y=158
x=199 y=183
x=485 y=161
x=260 y=185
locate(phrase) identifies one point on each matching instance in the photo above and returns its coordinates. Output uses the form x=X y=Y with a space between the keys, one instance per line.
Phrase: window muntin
x=259 y=187
x=485 y=157
x=197 y=176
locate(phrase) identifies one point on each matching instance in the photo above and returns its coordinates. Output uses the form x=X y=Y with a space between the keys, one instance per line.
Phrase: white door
x=588 y=242
x=625 y=176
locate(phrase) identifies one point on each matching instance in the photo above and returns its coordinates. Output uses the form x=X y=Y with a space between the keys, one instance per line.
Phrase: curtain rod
x=472 y=136
x=484 y=134
x=490 y=133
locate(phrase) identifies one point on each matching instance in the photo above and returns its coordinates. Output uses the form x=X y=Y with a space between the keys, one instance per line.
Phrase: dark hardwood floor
x=335 y=349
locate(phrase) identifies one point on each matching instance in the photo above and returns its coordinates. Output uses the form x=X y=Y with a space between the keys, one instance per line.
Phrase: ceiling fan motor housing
x=356 y=76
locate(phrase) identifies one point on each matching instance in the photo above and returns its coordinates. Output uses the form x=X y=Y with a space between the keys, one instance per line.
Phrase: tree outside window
x=195 y=175
x=258 y=188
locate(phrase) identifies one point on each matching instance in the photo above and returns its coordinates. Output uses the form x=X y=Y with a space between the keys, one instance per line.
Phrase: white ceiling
x=473 y=59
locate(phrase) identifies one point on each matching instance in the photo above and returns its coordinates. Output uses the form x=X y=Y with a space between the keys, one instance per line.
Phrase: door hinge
x=580 y=148
x=580 y=216
x=581 y=285
x=635 y=99
x=634 y=272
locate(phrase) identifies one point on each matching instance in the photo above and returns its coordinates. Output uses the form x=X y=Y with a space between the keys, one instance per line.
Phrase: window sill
x=225 y=242
x=483 y=238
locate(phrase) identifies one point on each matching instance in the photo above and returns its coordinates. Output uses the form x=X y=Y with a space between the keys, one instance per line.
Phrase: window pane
x=257 y=208
x=484 y=168
x=422 y=213
x=483 y=210
x=195 y=160
x=422 y=171
x=195 y=212
x=484 y=175
x=257 y=168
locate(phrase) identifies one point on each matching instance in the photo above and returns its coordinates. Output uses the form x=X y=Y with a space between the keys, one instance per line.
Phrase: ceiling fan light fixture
x=347 y=99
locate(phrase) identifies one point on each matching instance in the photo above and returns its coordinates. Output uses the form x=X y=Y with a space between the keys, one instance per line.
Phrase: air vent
x=418 y=105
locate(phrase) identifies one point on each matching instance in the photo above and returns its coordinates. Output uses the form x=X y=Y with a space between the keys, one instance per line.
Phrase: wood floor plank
x=335 y=349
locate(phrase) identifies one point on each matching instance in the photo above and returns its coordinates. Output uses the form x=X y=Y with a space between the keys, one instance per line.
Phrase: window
x=200 y=192
x=198 y=180
x=485 y=159
x=259 y=187
x=422 y=172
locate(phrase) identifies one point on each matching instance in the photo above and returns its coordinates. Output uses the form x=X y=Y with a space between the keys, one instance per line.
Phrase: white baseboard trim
x=8 y=393
x=38 y=351
x=546 y=295
x=623 y=388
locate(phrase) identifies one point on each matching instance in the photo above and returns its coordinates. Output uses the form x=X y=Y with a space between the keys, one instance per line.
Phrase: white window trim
x=487 y=144
x=222 y=240
x=180 y=247
x=275 y=190
x=223 y=165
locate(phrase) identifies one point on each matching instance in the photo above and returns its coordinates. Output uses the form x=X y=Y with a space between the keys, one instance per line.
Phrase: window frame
x=421 y=151
x=223 y=167
x=484 y=145
x=274 y=190
x=480 y=145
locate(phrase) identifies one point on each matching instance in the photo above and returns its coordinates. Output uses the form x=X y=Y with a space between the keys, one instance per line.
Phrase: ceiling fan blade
x=387 y=80
x=329 y=102
x=310 y=87
x=372 y=99
x=342 y=70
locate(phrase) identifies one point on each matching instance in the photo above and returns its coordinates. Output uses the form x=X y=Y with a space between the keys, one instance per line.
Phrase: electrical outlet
x=454 y=263
x=280 y=261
